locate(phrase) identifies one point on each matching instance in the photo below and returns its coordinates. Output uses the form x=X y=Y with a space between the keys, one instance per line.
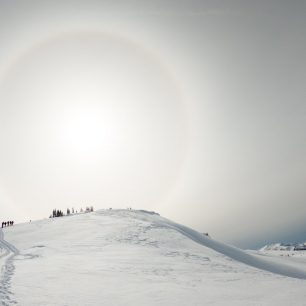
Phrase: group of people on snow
x=7 y=223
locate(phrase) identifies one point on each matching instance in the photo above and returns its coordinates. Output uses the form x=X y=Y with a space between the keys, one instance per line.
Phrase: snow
x=284 y=247
x=8 y=252
x=277 y=246
x=126 y=257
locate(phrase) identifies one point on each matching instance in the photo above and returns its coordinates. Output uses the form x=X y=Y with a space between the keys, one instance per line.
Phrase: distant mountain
x=284 y=247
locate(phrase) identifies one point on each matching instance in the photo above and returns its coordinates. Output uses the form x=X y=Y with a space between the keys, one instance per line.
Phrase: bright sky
x=195 y=109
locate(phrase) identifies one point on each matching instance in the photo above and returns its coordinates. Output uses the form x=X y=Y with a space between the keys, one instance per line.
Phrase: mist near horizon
x=193 y=109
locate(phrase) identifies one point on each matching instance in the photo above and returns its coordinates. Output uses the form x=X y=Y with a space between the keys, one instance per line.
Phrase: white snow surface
x=123 y=257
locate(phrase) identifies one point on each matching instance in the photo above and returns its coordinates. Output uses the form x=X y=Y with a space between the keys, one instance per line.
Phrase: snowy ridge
x=126 y=257
x=236 y=253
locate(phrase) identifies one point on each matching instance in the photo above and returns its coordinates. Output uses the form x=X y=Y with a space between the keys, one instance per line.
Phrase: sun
x=88 y=132
x=95 y=110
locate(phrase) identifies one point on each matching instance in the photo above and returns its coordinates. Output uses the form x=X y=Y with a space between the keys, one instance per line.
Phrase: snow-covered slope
x=122 y=257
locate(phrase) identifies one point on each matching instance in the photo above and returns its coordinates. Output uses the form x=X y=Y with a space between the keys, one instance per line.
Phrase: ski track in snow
x=7 y=271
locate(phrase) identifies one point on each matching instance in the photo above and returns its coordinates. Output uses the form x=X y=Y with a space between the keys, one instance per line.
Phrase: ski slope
x=122 y=257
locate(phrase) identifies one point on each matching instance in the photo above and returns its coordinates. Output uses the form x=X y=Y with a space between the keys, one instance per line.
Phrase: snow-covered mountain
x=284 y=247
x=123 y=257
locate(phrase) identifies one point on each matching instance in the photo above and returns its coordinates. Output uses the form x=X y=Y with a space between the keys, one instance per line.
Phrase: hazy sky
x=195 y=109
